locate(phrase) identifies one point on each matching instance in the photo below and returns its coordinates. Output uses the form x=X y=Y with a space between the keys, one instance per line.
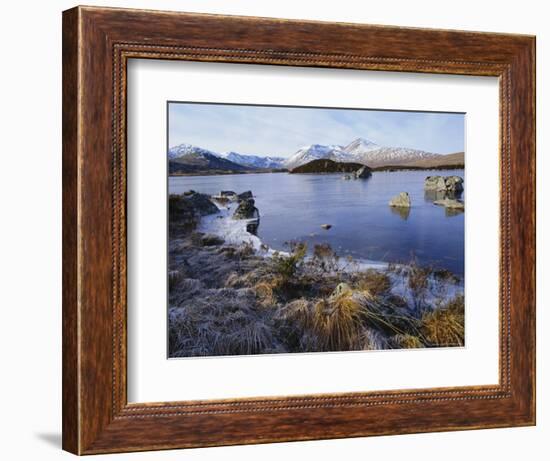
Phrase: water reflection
x=402 y=212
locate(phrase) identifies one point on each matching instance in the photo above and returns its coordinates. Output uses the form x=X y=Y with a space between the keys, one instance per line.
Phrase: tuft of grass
x=418 y=280
x=265 y=292
x=374 y=282
x=287 y=266
x=337 y=322
x=325 y=258
x=444 y=327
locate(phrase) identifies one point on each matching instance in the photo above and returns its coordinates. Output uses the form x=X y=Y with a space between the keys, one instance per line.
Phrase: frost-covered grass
x=232 y=301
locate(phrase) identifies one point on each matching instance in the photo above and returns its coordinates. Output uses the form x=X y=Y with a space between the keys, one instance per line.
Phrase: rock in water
x=363 y=173
x=246 y=210
x=227 y=193
x=450 y=185
x=186 y=210
x=435 y=183
x=326 y=226
x=450 y=204
x=454 y=184
x=402 y=200
x=245 y=195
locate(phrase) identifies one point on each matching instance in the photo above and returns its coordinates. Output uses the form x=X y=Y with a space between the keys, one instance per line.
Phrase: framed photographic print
x=285 y=230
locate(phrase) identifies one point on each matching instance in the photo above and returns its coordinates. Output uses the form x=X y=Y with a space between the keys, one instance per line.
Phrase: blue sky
x=281 y=131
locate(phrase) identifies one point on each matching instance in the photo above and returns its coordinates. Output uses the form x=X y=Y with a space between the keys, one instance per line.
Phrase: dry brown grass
x=374 y=282
x=406 y=341
x=418 y=280
x=324 y=258
x=265 y=292
x=444 y=327
x=337 y=323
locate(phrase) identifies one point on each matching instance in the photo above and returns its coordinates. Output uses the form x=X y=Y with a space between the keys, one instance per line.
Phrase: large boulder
x=402 y=200
x=246 y=210
x=201 y=204
x=435 y=183
x=186 y=210
x=362 y=173
x=454 y=184
x=448 y=185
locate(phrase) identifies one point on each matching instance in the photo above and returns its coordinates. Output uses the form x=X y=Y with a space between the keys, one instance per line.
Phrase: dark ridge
x=327 y=166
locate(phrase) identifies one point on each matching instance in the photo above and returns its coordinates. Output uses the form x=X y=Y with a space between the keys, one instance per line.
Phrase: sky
x=281 y=131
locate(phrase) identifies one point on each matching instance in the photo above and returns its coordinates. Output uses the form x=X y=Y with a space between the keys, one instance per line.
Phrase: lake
x=294 y=206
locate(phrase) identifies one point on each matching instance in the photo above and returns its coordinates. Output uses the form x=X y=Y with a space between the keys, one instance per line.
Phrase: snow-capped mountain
x=360 y=145
x=384 y=156
x=314 y=152
x=360 y=150
x=186 y=149
x=254 y=161
x=186 y=158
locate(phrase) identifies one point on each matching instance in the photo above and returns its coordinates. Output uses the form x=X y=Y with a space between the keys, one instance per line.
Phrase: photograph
x=313 y=229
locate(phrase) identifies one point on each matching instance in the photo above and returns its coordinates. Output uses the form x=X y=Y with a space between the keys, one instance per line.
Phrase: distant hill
x=455 y=160
x=197 y=160
x=441 y=160
x=327 y=166
x=254 y=161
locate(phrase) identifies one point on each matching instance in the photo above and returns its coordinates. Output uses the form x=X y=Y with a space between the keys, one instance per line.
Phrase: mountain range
x=189 y=159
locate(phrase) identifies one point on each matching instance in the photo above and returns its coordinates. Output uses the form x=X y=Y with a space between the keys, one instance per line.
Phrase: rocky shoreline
x=229 y=294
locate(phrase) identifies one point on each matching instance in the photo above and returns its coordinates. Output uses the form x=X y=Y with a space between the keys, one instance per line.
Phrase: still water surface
x=293 y=207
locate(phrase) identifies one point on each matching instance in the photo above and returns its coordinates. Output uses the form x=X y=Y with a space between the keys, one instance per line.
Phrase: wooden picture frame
x=97 y=43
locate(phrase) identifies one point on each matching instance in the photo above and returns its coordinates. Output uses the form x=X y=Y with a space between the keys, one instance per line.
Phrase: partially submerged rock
x=186 y=210
x=201 y=204
x=246 y=210
x=245 y=195
x=454 y=184
x=402 y=200
x=326 y=226
x=362 y=173
x=450 y=204
x=435 y=183
x=450 y=185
